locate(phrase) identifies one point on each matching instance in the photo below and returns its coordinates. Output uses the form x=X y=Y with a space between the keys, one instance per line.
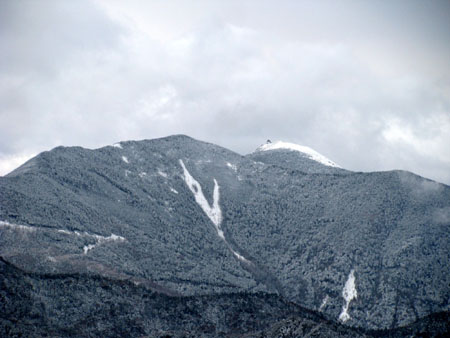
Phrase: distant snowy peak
x=308 y=152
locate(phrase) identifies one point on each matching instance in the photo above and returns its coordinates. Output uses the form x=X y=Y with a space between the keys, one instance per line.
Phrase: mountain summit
x=176 y=217
x=295 y=156
x=305 y=151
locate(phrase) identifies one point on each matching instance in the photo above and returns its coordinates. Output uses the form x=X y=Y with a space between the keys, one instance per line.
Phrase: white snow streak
x=214 y=213
x=324 y=303
x=65 y=232
x=98 y=238
x=161 y=173
x=142 y=174
x=240 y=257
x=117 y=145
x=348 y=293
x=310 y=153
x=173 y=190
x=125 y=159
x=8 y=225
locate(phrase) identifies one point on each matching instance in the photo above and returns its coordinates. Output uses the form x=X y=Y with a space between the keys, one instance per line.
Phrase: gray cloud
x=348 y=80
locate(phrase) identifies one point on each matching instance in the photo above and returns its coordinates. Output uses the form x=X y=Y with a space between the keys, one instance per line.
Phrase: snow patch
x=142 y=174
x=232 y=166
x=111 y=237
x=125 y=159
x=101 y=240
x=173 y=190
x=348 y=293
x=87 y=248
x=117 y=145
x=310 y=153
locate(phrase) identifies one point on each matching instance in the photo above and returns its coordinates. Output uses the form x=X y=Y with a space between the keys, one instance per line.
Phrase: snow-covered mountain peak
x=308 y=152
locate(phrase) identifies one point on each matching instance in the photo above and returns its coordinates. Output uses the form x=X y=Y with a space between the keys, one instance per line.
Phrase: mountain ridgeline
x=219 y=240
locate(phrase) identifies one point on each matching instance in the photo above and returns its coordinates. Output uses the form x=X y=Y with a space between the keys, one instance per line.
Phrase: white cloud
x=226 y=74
x=11 y=162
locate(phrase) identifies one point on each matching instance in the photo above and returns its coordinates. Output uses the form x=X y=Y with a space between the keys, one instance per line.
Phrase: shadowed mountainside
x=69 y=305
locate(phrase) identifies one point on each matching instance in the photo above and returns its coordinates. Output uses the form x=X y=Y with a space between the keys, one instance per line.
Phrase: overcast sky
x=365 y=83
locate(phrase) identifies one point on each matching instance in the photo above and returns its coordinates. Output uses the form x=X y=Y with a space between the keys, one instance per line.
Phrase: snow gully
x=213 y=212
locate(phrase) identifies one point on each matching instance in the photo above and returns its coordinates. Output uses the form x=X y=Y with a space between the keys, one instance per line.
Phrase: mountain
x=180 y=219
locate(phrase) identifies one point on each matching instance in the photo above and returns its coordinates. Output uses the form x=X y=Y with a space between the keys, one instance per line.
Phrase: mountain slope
x=189 y=218
x=83 y=305
x=36 y=304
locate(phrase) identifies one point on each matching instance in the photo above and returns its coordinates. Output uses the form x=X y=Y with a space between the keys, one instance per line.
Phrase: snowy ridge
x=310 y=153
x=214 y=213
x=348 y=293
